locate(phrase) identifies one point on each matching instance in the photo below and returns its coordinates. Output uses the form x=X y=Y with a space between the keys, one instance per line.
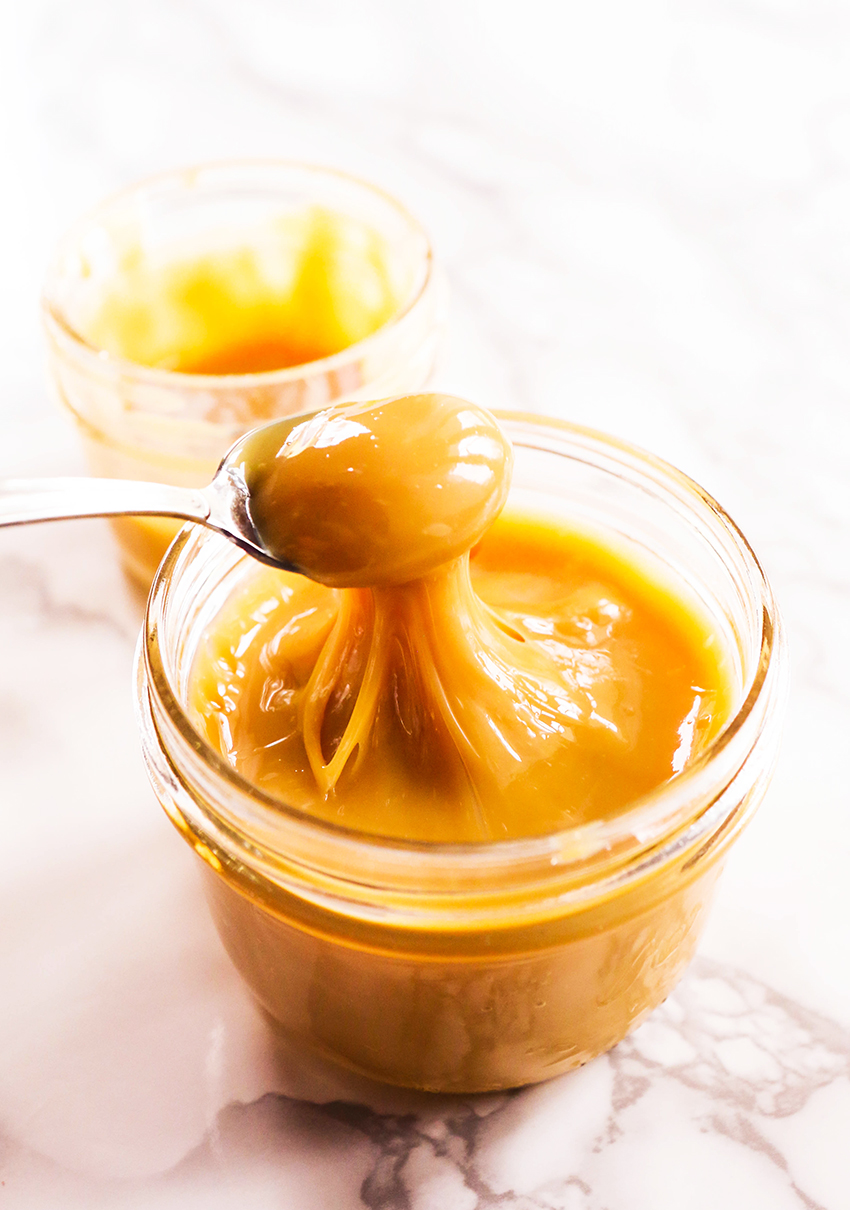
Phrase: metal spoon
x=222 y=505
x=355 y=495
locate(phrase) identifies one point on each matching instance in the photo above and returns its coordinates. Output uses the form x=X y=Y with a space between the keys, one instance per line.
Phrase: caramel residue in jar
x=539 y=682
x=307 y=286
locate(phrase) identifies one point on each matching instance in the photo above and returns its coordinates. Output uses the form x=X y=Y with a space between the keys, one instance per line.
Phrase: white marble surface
x=644 y=211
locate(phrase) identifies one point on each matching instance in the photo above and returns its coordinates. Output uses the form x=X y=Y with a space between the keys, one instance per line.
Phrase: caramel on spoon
x=360 y=494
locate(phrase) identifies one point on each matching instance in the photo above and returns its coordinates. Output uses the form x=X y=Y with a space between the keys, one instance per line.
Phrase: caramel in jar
x=307 y=286
x=540 y=683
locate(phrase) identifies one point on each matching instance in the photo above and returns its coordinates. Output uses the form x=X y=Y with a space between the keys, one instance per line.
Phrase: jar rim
x=690 y=804
x=54 y=317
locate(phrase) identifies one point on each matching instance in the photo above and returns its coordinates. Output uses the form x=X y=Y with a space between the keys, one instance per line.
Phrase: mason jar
x=473 y=967
x=150 y=421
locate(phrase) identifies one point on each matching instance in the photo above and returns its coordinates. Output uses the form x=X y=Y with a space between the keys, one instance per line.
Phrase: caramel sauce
x=544 y=678
x=426 y=694
x=373 y=494
x=308 y=286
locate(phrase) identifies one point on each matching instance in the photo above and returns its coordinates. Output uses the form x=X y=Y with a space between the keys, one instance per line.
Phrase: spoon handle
x=26 y=500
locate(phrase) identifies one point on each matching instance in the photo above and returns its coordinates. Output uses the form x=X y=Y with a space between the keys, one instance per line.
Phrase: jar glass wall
x=478 y=966
x=109 y=303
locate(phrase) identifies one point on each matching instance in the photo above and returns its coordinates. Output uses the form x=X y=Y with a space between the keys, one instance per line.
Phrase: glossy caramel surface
x=374 y=494
x=544 y=682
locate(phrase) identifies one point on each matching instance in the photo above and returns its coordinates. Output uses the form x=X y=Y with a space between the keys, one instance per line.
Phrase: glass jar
x=468 y=967
x=139 y=421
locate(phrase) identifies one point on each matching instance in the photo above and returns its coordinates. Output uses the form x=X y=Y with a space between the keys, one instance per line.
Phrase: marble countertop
x=644 y=213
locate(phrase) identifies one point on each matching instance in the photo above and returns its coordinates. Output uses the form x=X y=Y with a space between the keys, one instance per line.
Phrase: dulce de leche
x=431 y=694
x=452 y=683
